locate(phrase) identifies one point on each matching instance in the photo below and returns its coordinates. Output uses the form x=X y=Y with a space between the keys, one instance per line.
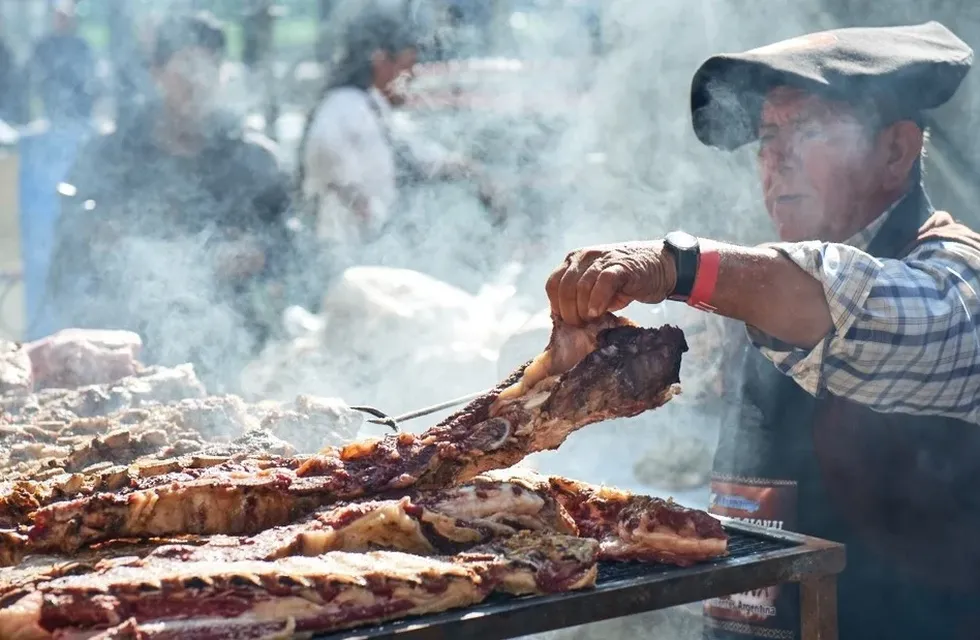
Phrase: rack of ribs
x=165 y=598
x=491 y=506
x=607 y=369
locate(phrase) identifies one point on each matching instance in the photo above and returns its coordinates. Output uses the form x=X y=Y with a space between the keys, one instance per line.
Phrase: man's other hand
x=594 y=280
x=78 y=357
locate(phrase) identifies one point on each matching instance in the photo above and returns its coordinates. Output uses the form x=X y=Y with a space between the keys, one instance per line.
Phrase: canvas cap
x=905 y=69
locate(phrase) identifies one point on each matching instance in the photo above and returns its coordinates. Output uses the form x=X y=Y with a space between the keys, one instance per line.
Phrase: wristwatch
x=687 y=254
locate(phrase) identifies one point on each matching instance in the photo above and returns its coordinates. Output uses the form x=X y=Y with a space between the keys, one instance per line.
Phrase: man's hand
x=78 y=357
x=609 y=277
x=756 y=285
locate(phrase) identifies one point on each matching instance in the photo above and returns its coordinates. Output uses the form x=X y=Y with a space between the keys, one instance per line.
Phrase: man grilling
x=861 y=399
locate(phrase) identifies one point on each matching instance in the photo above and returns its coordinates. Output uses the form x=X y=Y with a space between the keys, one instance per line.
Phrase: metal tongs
x=393 y=423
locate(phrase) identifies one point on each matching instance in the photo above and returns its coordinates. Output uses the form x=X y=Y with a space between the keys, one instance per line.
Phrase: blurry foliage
x=292 y=34
x=295 y=26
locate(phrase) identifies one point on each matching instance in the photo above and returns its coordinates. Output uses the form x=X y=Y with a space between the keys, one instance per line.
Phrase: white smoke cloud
x=620 y=164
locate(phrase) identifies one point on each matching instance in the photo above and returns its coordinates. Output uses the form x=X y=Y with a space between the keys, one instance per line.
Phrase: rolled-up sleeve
x=905 y=335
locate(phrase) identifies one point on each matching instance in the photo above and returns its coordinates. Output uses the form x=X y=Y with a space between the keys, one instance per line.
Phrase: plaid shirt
x=905 y=338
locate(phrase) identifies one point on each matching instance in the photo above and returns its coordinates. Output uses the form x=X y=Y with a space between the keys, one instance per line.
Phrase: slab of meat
x=629 y=526
x=428 y=523
x=338 y=590
x=628 y=370
x=609 y=368
x=21 y=498
x=491 y=506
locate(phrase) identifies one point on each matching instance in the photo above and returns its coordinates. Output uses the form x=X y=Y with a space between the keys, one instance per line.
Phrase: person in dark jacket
x=860 y=417
x=173 y=224
x=62 y=70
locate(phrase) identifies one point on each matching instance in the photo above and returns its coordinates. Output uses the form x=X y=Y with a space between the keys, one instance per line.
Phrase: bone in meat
x=631 y=370
x=330 y=592
x=629 y=526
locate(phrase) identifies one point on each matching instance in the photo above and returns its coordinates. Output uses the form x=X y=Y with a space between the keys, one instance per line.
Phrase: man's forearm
x=763 y=288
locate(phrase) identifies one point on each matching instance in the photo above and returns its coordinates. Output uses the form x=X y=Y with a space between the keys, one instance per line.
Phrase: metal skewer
x=384 y=419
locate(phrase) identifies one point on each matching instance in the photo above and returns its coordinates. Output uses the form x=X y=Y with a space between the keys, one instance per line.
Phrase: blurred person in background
x=11 y=87
x=356 y=157
x=61 y=70
x=860 y=408
x=172 y=225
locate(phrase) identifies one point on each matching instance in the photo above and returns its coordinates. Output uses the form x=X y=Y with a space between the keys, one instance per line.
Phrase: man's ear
x=902 y=146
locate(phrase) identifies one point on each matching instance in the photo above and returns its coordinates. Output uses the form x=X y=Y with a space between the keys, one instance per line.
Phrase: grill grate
x=740 y=545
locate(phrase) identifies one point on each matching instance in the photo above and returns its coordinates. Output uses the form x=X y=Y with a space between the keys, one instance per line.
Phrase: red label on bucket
x=769 y=613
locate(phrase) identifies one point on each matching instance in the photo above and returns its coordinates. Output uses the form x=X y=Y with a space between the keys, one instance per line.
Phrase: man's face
x=392 y=73
x=189 y=82
x=818 y=164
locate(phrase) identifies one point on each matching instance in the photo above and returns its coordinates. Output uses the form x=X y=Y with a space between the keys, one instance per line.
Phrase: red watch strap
x=706 y=280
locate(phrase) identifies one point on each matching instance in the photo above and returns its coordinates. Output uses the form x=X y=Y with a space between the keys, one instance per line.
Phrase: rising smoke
x=621 y=164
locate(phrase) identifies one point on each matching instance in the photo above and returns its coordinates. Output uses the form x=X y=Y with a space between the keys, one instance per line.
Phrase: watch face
x=681 y=240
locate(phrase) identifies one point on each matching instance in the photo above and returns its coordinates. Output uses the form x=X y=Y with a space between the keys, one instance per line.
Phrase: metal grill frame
x=812 y=562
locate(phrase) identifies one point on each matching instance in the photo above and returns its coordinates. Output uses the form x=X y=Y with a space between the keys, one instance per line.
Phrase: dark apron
x=896 y=489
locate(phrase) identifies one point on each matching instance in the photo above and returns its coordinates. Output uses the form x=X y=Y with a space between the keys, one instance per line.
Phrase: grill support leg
x=818 y=608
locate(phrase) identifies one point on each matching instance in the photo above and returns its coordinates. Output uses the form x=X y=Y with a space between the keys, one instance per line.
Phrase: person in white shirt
x=355 y=154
